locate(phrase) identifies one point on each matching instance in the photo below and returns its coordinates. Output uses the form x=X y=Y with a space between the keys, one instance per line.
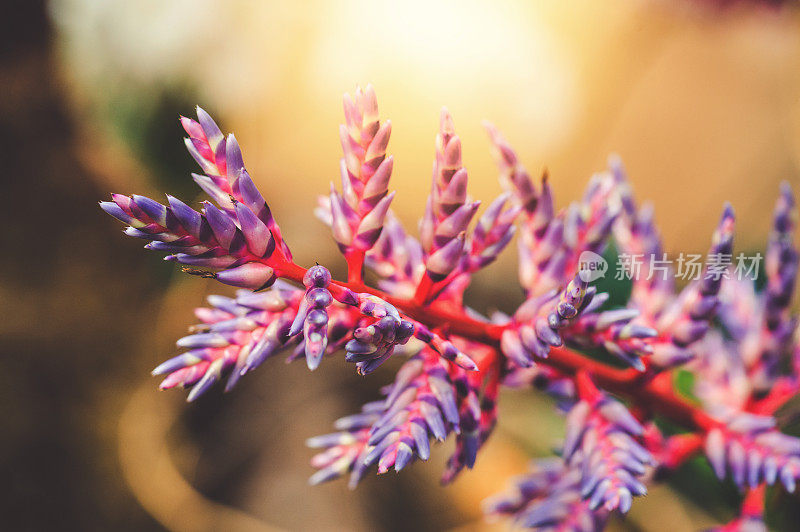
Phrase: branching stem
x=654 y=393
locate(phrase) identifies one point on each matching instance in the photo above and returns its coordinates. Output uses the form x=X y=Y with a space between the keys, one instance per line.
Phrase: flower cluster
x=680 y=320
x=754 y=452
x=601 y=442
x=548 y=498
x=429 y=399
x=612 y=369
x=358 y=213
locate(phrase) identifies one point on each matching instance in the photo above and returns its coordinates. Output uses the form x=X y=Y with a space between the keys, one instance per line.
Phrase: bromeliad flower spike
x=741 y=345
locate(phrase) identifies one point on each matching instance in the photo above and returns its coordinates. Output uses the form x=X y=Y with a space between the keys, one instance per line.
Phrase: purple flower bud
x=751 y=448
x=153 y=209
x=443 y=260
x=318 y=297
x=549 y=497
x=205 y=260
x=370 y=227
x=196 y=341
x=222 y=225
x=181 y=361
x=317 y=276
x=116 y=211
x=455 y=223
x=600 y=440
x=190 y=219
x=316 y=336
x=211 y=376
x=256 y=234
x=340 y=215
x=251 y=275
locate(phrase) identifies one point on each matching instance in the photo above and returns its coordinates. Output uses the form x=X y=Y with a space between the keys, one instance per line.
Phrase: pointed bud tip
x=727 y=211
x=465 y=362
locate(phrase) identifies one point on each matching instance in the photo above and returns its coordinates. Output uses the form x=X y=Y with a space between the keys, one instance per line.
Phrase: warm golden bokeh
x=701 y=104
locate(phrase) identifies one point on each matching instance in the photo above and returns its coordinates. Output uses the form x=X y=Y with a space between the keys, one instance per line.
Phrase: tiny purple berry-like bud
x=318 y=297
x=318 y=276
x=404 y=331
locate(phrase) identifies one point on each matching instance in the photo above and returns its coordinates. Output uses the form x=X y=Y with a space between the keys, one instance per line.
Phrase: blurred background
x=700 y=98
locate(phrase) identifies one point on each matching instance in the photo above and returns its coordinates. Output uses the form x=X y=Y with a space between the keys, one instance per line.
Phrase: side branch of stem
x=654 y=393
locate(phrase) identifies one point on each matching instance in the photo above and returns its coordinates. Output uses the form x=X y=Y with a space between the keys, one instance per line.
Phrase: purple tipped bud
x=233 y=157
x=250 y=275
x=196 y=341
x=371 y=225
x=152 y=208
x=181 y=361
x=190 y=219
x=456 y=223
x=445 y=259
x=318 y=297
x=256 y=234
x=317 y=276
x=116 y=211
x=315 y=336
x=222 y=225
x=342 y=232
x=347 y=297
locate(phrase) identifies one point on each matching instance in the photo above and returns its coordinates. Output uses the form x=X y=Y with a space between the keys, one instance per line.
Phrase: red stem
x=355 y=266
x=753 y=504
x=654 y=393
x=423 y=290
x=680 y=448
x=783 y=390
x=586 y=388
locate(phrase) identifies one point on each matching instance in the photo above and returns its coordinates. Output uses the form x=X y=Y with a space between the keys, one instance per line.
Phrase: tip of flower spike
x=637 y=363
x=614 y=160
x=201 y=113
x=191 y=127
x=727 y=211
x=784 y=214
x=465 y=362
x=545 y=176
x=723 y=235
x=116 y=211
x=446 y=124
x=786 y=190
